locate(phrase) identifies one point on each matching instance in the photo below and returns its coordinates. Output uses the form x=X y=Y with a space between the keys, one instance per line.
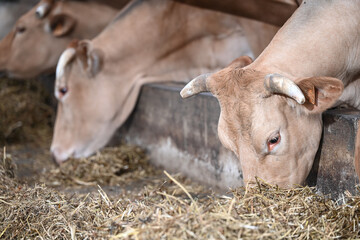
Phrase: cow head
x=83 y=106
x=272 y=123
x=91 y=104
x=37 y=40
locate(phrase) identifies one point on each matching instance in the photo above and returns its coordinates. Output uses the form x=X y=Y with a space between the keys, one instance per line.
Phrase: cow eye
x=273 y=141
x=38 y=14
x=20 y=29
x=63 y=91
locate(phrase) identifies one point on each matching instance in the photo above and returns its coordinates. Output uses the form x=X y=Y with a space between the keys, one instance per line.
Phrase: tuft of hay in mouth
x=170 y=207
x=25 y=116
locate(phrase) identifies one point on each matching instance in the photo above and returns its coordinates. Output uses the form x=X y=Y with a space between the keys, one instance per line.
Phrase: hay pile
x=113 y=166
x=25 y=116
x=172 y=207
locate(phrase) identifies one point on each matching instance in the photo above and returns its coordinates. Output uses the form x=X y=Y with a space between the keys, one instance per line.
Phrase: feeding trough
x=182 y=136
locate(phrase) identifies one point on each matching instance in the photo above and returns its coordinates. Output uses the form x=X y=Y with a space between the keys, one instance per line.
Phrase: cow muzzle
x=59 y=155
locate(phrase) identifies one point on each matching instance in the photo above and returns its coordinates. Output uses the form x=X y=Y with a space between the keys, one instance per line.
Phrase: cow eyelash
x=20 y=29
x=274 y=140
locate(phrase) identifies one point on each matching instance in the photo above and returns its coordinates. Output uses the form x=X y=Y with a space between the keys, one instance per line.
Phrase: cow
x=98 y=81
x=40 y=36
x=271 y=108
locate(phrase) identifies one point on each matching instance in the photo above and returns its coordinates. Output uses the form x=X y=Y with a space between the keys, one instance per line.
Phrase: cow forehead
x=248 y=112
x=239 y=92
x=76 y=77
x=234 y=82
x=30 y=17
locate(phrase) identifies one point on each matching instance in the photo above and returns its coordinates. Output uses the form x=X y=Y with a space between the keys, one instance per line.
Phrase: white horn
x=276 y=83
x=195 y=86
x=64 y=59
x=42 y=10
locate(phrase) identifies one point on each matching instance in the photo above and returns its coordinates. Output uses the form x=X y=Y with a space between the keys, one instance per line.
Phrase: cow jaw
x=79 y=137
x=78 y=147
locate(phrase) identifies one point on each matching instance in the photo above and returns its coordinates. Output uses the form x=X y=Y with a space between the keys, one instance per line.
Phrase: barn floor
x=119 y=194
x=118 y=170
x=77 y=202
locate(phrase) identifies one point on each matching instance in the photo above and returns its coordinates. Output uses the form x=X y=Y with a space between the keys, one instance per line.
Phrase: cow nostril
x=2 y=74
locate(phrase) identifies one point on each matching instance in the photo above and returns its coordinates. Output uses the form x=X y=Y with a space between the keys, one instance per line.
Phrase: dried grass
x=171 y=208
x=147 y=204
x=113 y=166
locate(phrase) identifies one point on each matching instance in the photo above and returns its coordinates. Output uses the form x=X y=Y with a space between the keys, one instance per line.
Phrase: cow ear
x=91 y=59
x=62 y=24
x=320 y=93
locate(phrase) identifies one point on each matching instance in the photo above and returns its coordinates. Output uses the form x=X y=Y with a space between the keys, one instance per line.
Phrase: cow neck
x=148 y=32
x=311 y=44
x=94 y=17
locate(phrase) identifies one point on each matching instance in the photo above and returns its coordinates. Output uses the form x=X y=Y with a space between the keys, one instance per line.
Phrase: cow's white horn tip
x=185 y=93
x=301 y=100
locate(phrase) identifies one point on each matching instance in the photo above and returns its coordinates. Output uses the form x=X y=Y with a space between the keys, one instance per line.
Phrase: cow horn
x=195 y=86
x=276 y=83
x=42 y=10
x=64 y=59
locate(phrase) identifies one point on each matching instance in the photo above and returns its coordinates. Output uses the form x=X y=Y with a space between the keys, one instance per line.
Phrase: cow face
x=37 y=40
x=92 y=101
x=270 y=122
x=86 y=114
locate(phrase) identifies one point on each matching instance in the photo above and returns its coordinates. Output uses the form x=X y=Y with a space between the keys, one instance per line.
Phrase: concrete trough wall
x=333 y=171
x=181 y=136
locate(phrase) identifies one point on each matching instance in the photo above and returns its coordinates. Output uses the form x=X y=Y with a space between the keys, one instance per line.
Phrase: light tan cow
x=98 y=81
x=271 y=108
x=41 y=35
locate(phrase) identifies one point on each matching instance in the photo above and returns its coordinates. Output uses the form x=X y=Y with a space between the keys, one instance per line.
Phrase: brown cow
x=98 y=81
x=271 y=108
x=41 y=35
